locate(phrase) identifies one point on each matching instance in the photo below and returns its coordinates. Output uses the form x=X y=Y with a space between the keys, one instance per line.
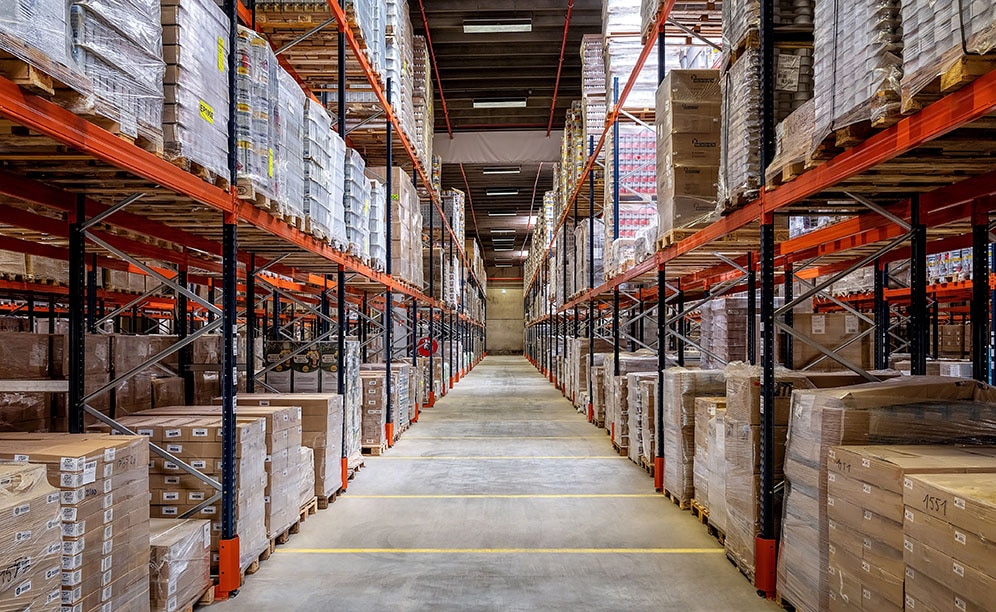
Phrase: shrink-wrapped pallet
x=375 y=409
x=681 y=387
x=256 y=130
x=706 y=410
x=740 y=141
x=306 y=467
x=716 y=442
x=179 y=563
x=858 y=57
x=324 y=176
x=37 y=32
x=376 y=229
x=793 y=144
x=907 y=410
x=356 y=203
x=638 y=442
x=195 y=114
x=289 y=154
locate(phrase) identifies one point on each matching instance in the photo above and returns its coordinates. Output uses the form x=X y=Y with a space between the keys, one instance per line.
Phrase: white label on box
x=868 y=515
x=831 y=477
x=200 y=432
x=959 y=603
x=71 y=464
x=866 y=566
x=52 y=572
x=106 y=593
x=21 y=510
x=169 y=465
x=108 y=500
x=172 y=433
x=174 y=448
x=960 y=537
x=53 y=596
x=171 y=480
x=170 y=511
x=819 y=325
x=787 y=72
x=108 y=515
x=105 y=578
x=73 y=547
x=199 y=464
x=107 y=548
x=907 y=483
x=171 y=496
x=73 y=530
x=171 y=604
x=196 y=496
x=108 y=470
x=867 y=543
x=959 y=503
x=69 y=596
x=958 y=568
x=72 y=578
x=22 y=458
x=908 y=544
x=22 y=588
x=108 y=485
x=71 y=562
x=850 y=324
x=90 y=472
x=833 y=549
x=145 y=432
x=106 y=563
x=866 y=594
x=908 y=514
x=69 y=514
x=866 y=488
x=829 y=500
x=53 y=498
x=54 y=549
x=264 y=403
x=910 y=602
x=171 y=586
x=209 y=510
x=110 y=454
x=22 y=536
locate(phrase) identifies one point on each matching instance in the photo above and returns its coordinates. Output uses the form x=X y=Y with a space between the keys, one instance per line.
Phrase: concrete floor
x=501 y=498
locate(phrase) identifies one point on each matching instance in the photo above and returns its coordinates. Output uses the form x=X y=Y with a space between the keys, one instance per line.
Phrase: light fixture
x=500 y=103
x=502 y=231
x=492 y=213
x=501 y=170
x=500 y=191
x=503 y=250
x=503 y=266
x=495 y=26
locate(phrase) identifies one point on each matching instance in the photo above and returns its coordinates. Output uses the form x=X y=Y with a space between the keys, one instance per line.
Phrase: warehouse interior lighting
x=492 y=213
x=497 y=26
x=503 y=265
x=502 y=231
x=500 y=103
x=502 y=170
x=502 y=192
x=503 y=250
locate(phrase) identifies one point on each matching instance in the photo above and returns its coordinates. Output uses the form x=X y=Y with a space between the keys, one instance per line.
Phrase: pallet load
x=622 y=47
x=197 y=441
x=593 y=90
x=374 y=419
x=398 y=60
x=716 y=443
x=104 y=482
x=739 y=163
x=598 y=392
x=648 y=427
x=256 y=133
x=406 y=226
x=288 y=163
x=681 y=387
x=321 y=434
x=352 y=399
x=367 y=19
x=306 y=466
x=118 y=46
x=944 y=42
x=453 y=201
x=638 y=414
x=617 y=393
x=324 y=177
x=422 y=99
x=907 y=410
x=846 y=335
x=30 y=507
x=948 y=541
x=179 y=563
x=376 y=229
x=195 y=115
x=706 y=410
x=588 y=269
x=38 y=34
x=688 y=132
x=637 y=194
x=402 y=396
x=356 y=203
x=865 y=487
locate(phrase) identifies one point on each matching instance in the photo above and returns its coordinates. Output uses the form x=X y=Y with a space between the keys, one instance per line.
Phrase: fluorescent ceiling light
x=502 y=231
x=502 y=192
x=503 y=266
x=502 y=170
x=503 y=250
x=500 y=103
x=493 y=26
x=532 y=220
x=492 y=213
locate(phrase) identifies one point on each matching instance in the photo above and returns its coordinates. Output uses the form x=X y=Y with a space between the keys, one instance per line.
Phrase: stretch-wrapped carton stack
x=598 y=400
x=406 y=226
x=422 y=98
x=256 y=129
x=716 y=442
x=907 y=410
x=306 y=465
x=352 y=399
x=839 y=333
x=38 y=33
x=681 y=387
x=356 y=203
x=324 y=176
x=374 y=410
x=376 y=228
x=590 y=270
x=688 y=135
x=179 y=563
x=637 y=413
x=706 y=411
x=593 y=88
x=739 y=163
x=648 y=428
x=195 y=113
x=103 y=484
x=724 y=331
x=617 y=419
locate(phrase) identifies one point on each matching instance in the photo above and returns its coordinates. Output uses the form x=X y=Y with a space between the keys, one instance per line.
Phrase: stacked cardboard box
x=376 y=228
x=846 y=335
x=179 y=563
x=648 y=429
x=197 y=442
x=681 y=387
x=724 y=331
x=739 y=165
x=322 y=432
x=907 y=410
x=31 y=557
x=104 y=494
x=422 y=99
x=374 y=417
x=948 y=542
x=688 y=134
x=256 y=130
x=865 y=487
x=402 y=398
x=406 y=226
x=306 y=466
x=598 y=392
x=356 y=203
x=638 y=444
x=590 y=268
x=195 y=114
x=617 y=419
x=324 y=176
x=716 y=442
x=706 y=409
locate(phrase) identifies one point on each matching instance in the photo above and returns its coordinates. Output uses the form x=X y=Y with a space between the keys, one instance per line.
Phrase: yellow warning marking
x=509 y=496
x=504 y=551
x=482 y=458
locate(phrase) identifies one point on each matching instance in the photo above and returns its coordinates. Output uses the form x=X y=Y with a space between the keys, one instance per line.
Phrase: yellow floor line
x=508 y=496
x=481 y=458
x=504 y=551
x=506 y=438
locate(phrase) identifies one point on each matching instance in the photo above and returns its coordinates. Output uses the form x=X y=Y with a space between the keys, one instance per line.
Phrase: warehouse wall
x=505 y=318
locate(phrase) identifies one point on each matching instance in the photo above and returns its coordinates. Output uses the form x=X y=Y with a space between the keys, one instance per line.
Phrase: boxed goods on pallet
x=741 y=18
x=638 y=443
x=681 y=387
x=617 y=393
x=793 y=146
x=402 y=395
x=739 y=163
x=306 y=466
x=324 y=176
x=32 y=556
x=846 y=335
x=195 y=111
x=422 y=99
x=453 y=207
x=118 y=46
x=620 y=54
x=406 y=226
x=941 y=41
x=865 y=489
x=104 y=498
x=321 y=425
x=907 y=410
x=179 y=563
x=598 y=393
x=706 y=409
x=648 y=428
x=590 y=272
x=715 y=500
x=858 y=58
x=398 y=59
x=688 y=133
x=376 y=230
x=369 y=17
x=288 y=155
x=356 y=203
x=37 y=33
x=947 y=541
x=256 y=132
x=375 y=408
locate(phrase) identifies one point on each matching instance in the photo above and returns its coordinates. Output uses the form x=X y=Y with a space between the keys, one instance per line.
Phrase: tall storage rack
x=78 y=192
x=950 y=208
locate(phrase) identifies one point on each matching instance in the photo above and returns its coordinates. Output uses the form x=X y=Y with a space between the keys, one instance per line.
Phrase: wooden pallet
x=294 y=221
x=738 y=200
x=965 y=70
x=306 y=510
x=324 y=501
x=750 y=40
x=247 y=191
x=622 y=450
x=699 y=511
x=716 y=532
x=648 y=466
x=682 y=504
x=204 y=599
x=198 y=170
x=375 y=451
x=747 y=572
x=315 y=229
x=783 y=603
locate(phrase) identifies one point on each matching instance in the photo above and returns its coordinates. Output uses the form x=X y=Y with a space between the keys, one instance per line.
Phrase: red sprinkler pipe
x=560 y=65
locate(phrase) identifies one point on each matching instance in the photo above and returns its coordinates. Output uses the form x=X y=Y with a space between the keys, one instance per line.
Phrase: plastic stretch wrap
x=620 y=55
x=716 y=443
x=681 y=387
x=37 y=32
x=356 y=204
x=739 y=165
x=306 y=466
x=179 y=563
x=706 y=409
x=118 y=45
x=938 y=34
x=376 y=231
x=638 y=444
x=740 y=18
x=31 y=565
x=648 y=429
x=793 y=141
x=195 y=115
x=256 y=95
x=917 y=410
x=858 y=63
x=319 y=169
x=289 y=162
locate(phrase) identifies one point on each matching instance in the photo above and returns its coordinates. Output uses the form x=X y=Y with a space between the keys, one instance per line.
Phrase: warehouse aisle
x=502 y=498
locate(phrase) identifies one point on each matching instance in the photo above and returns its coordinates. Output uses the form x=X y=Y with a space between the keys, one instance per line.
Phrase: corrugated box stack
x=724 y=331
x=422 y=99
x=948 y=541
x=598 y=392
x=681 y=387
x=453 y=206
x=289 y=151
x=398 y=60
x=104 y=493
x=739 y=163
x=940 y=36
x=688 y=134
x=706 y=409
x=406 y=226
x=179 y=563
x=370 y=18
x=306 y=466
x=257 y=95
x=352 y=400
x=917 y=410
x=38 y=33
x=589 y=268
x=324 y=177
x=622 y=47
x=356 y=202
x=865 y=487
x=374 y=409
x=593 y=89
x=195 y=114
x=617 y=393
x=848 y=336
x=638 y=443
x=637 y=199
x=648 y=428
x=715 y=501
x=118 y=46
x=32 y=553
x=197 y=441
x=376 y=228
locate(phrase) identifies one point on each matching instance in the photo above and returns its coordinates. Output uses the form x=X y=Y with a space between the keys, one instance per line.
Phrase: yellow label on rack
x=395 y=196
x=207 y=113
x=221 y=54
x=269 y=164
